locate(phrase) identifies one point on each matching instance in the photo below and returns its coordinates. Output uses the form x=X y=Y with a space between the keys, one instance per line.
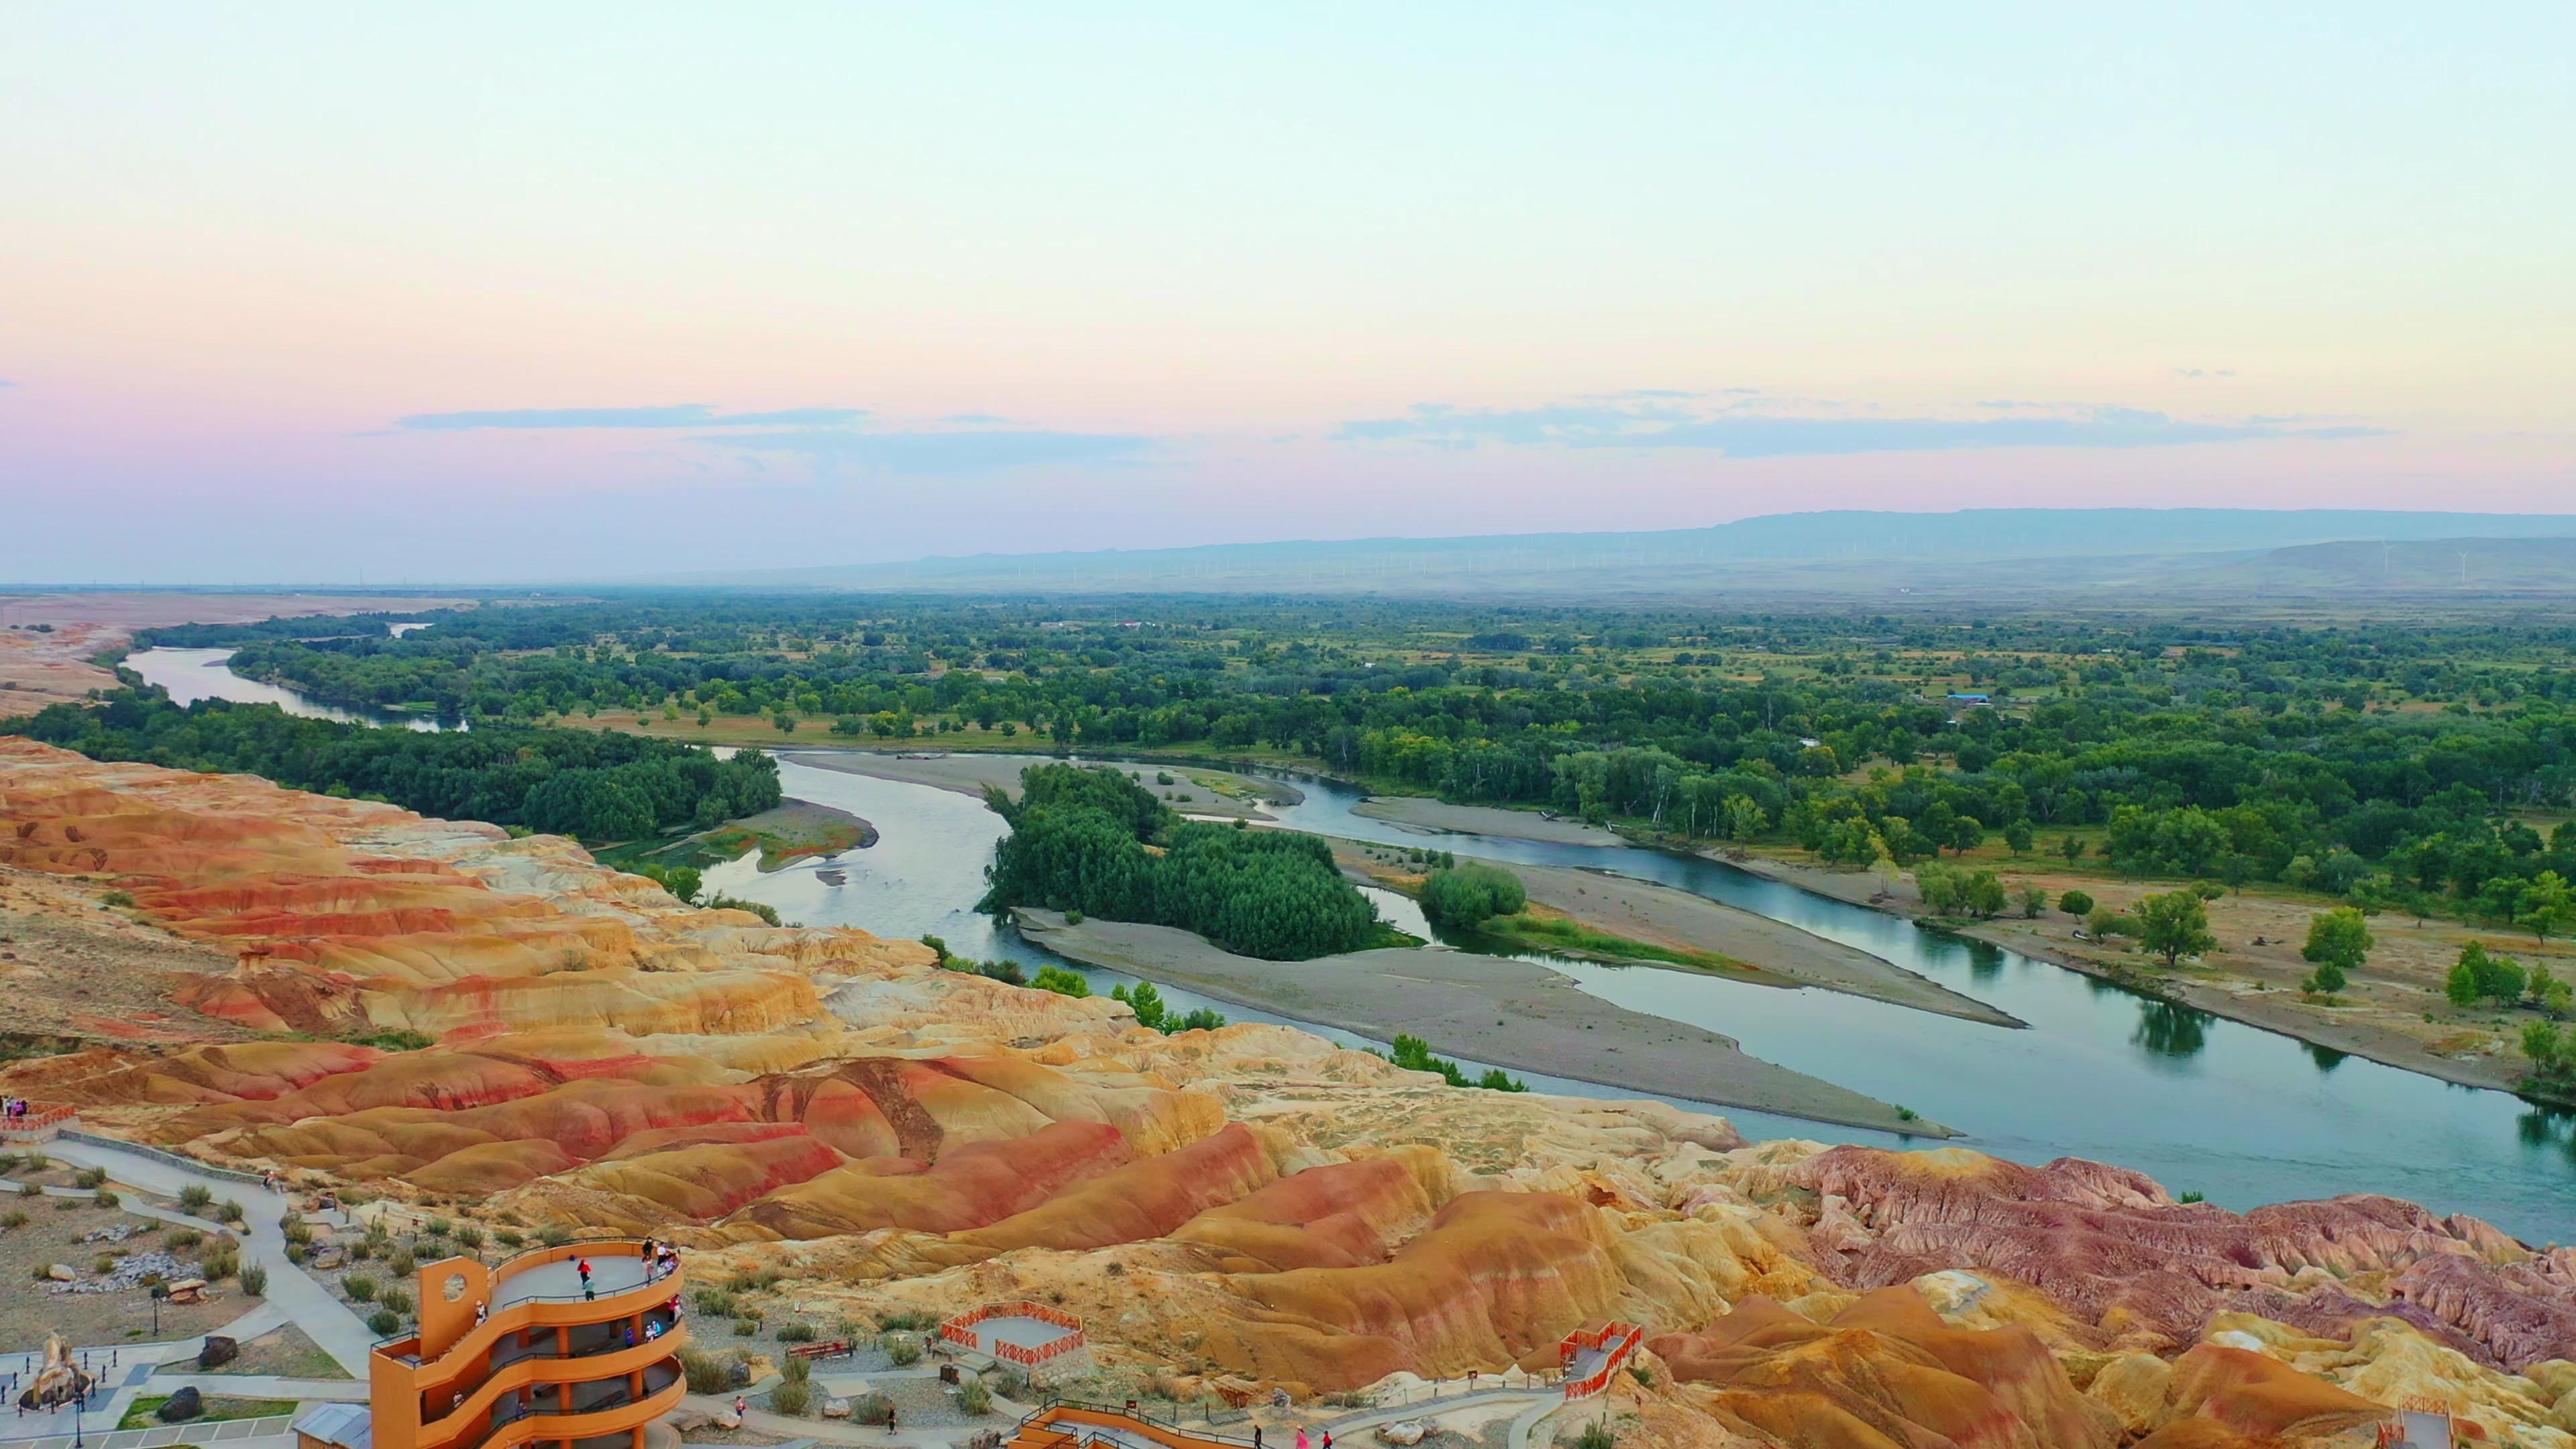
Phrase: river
x=2201 y=1103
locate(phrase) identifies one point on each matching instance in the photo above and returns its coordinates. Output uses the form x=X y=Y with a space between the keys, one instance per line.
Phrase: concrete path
x=841 y=1431
x=303 y=1302
x=271 y=1433
x=1350 y=1424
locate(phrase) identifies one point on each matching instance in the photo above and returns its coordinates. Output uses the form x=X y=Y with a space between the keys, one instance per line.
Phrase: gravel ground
x=52 y=1234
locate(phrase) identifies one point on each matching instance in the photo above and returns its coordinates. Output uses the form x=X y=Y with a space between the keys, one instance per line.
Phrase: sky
x=485 y=293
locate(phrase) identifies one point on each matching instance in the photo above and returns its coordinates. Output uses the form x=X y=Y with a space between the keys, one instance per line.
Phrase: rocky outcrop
x=2114 y=1248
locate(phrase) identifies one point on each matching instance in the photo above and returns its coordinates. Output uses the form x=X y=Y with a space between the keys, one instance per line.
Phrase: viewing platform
x=528 y=1352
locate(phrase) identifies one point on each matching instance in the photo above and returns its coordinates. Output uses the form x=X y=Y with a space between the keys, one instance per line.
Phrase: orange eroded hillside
x=1251 y=1202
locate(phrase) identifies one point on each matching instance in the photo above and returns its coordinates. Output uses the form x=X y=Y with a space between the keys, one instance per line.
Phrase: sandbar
x=968 y=773
x=1442 y=818
x=1515 y=1014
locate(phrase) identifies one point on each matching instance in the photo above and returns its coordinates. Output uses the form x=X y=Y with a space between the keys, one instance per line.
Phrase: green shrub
x=184 y=1239
x=1061 y=981
x=383 y=1322
x=298 y=1231
x=796 y=1333
x=706 y=1373
x=1596 y=1435
x=14 y=1218
x=905 y=1318
x=870 y=1408
x=793 y=1398
x=2076 y=904
x=397 y=1299
x=230 y=1211
x=103 y=1263
x=254 y=1281
x=796 y=1370
x=508 y=1237
x=194 y=1197
x=469 y=1236
x=359 y=1287
x=745 y=1327
x=38 y=1161
x=974 y=1398
x=903 y=1352
x=29 y=1189
x=106 y=1198
x=117 y=898
x=715 y=1302
x=554 y=1235
x=1471 y=893
x=401 y=1263
x=89 y=1177
x=362 y=1250
x=223 y=1262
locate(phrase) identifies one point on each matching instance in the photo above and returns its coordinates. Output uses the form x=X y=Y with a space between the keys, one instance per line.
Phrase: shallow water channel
x=2242 y=1115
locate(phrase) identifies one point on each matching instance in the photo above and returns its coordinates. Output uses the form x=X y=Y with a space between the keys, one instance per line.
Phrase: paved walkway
x=303 y=1302
x=293 y=1297
x=269 y=1433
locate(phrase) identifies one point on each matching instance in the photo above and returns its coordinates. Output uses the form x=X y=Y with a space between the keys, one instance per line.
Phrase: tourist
x=1256 y=1436
x=630 y=1335
x=889 y=1421
x=652 y=1329
x=582 y=1266
x=1301 y=1438
x=741 y=1406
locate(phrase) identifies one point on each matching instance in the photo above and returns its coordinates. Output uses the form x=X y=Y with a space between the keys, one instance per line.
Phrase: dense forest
x=1093 y=841
x=2394 y=764
x=593 y=785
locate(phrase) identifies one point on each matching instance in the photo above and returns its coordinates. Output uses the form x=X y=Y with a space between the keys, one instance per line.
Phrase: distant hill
x=2429 y=566
x=2008 y=554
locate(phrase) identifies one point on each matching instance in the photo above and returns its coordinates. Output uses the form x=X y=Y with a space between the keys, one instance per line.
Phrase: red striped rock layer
x=350 y=917
x=2114 y=1247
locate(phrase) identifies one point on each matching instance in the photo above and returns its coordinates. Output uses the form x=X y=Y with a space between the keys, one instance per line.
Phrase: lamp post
x=158 y=1292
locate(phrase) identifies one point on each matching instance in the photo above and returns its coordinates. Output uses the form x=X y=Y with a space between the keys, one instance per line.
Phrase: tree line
x=597 y=786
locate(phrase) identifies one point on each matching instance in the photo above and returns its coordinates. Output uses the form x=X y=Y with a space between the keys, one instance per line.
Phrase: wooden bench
x=828 y=1348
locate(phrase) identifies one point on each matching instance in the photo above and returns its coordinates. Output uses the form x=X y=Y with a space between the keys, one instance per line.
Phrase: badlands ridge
x=1251 y=1202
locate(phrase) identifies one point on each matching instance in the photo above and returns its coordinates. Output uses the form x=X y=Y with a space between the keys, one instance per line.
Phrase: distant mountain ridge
x=1806 y=554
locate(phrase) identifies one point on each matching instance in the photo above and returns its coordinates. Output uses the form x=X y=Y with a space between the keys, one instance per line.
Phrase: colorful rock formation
x=1251 y=1203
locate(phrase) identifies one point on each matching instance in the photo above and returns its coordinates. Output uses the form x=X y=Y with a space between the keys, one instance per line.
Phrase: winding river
x=2201 y=1103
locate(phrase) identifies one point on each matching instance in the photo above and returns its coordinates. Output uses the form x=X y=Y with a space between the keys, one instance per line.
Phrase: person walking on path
x=1301 y=1438
x=582 y=1266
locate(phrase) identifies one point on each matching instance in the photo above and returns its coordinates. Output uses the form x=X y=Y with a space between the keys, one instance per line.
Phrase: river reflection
x=2170 y=1029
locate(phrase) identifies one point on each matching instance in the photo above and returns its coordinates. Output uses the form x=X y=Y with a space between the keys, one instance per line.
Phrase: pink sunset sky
x=496 y=294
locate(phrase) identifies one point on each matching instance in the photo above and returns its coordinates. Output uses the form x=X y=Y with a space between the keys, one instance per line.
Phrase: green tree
x=2017 y=837
x=2175 y=925
x=2462 y=984
x=2102 y=923
x=2076 y=904
x=2338 y=942
x=2545 y=906
x=2033 y=899
x=2071 y=848
x=1744 y=818
x=2547 y=1048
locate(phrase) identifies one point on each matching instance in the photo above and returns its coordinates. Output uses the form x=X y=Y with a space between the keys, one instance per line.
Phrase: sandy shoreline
x=2280 y=1015
x=1776 y=953
x=1512 y=1013
x=969 y=774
